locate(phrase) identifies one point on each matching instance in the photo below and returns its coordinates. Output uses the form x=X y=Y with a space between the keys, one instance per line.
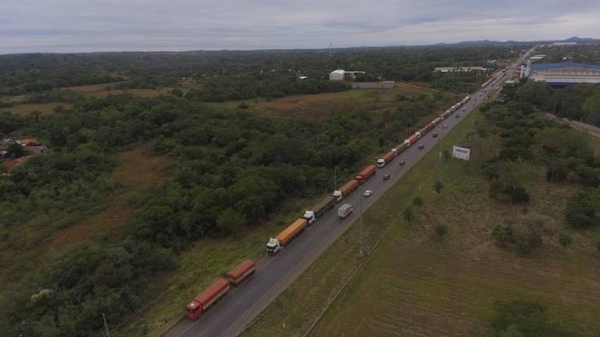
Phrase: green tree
x=438 y=186
x=524 y=318
x=408 y=214
x=15 y=150
x=591 y=109
x=582 y=209
x=565 y=239
x=441 y=230
x=231 y=221
x=502 y=235
x=418 y=201
x=177 y=92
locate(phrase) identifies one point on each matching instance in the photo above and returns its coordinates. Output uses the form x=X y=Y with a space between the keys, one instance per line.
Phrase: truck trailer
x=313 y=214
x=411 y=140
x=207 y=298
x=276 y=244
x=238 y=274
x=345 y=190
x=365 y=174
x=344 y=211
x=386 y=159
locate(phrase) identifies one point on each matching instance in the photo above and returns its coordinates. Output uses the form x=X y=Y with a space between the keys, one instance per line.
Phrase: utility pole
x=360 y=231
x=105 y=325
x=335 y=178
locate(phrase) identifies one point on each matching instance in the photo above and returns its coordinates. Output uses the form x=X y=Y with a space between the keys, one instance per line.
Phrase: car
x=464 y=109
x=401 y=163
x=421 y=146
x=445 y=126
x=386 y=177
x=457 y=115
x=368 y=193
x=435 y=135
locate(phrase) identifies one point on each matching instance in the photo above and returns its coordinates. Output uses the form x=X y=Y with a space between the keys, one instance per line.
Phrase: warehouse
x=565 y=73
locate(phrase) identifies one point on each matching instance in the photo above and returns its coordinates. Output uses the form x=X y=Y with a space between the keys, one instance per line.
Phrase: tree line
x=233 y=169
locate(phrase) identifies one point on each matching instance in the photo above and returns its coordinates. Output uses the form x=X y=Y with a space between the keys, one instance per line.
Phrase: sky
x=175 y=25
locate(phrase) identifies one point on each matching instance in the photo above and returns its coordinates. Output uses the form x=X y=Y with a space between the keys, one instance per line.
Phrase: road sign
x=460 y=152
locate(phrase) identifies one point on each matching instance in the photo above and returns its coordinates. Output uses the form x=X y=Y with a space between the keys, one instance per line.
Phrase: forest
x=232 y=168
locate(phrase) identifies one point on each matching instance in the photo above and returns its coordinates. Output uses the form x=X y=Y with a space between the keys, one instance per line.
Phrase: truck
x=411 y=140
x=206 y=299
x=398 y=149
x=345 y=190
x=238 y=274
x=276 y=244
x=386 y=159
x=313 y=214
x=344 y=211
x=365 y=174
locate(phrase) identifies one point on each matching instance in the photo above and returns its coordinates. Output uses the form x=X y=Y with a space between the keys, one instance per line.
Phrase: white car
x=368 y=193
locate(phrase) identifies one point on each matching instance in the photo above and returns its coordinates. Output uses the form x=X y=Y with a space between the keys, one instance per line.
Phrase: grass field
x=44 y=108
x=137 y=173
x=419 y=284
x=322 y=105
x=107 y=89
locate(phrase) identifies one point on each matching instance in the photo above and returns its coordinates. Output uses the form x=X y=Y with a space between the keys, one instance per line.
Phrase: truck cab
x=273 y=246
x=337 y=195
x=310 y=216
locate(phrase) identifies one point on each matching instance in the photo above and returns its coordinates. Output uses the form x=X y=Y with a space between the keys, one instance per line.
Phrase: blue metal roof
x=548 y=66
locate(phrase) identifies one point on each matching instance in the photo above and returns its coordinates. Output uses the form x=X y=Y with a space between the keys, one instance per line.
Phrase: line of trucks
x=213 y=293
x=276 y=244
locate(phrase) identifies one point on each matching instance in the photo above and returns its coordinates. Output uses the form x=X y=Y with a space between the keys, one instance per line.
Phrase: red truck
x=365 y=174
x=241 y=272
x=205 y=299
x=386 y=159
x=345 y=190
x=411 y=140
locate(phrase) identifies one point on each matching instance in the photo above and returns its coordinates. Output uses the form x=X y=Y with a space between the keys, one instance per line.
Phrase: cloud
x=75 y=25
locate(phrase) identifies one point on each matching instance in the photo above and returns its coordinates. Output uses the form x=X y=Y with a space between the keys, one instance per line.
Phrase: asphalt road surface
x=236 y=310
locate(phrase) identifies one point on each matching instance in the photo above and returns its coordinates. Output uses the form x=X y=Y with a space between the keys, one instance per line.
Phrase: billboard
x=460 y=152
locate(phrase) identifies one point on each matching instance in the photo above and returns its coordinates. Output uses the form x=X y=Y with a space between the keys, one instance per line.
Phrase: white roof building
x=337 y=75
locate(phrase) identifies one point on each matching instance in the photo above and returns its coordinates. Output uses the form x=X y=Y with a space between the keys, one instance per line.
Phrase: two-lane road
x=274 y=274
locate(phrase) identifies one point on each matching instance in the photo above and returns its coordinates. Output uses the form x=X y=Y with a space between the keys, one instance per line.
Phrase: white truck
x=344 y=211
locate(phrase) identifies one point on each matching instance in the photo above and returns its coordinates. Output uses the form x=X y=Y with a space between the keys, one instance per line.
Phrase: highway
x=273 y=274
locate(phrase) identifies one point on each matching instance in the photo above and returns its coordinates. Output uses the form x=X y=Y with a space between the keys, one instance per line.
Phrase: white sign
x=460 y=152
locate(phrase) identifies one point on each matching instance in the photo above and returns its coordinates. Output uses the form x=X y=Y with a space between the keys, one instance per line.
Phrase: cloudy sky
x=125 y=25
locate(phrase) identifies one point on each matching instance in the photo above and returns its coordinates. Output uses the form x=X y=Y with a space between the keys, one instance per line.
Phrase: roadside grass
x=419 y=284
x=320 y=106
x=202 y=264
x=44 y=108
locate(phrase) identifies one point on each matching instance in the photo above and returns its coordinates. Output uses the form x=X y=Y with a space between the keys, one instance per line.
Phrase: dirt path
x=592 y=130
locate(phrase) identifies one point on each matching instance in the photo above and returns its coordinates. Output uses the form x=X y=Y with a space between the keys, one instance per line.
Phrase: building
x=337 y=75
x=537 y=57
x=458 y=69
x=565 y=73
x=373 y=85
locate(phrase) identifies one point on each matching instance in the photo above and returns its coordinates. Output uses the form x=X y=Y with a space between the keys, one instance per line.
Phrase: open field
x=137 y=173
x=321 y=105
x=418 y=284
x=107 y=89
x=44 y=108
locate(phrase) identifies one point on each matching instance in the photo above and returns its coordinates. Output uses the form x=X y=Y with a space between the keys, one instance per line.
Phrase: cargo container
x=238 y=274
x=365 y=174
x=205 y=299
x=411 y=140
x=398 y=149
x=313 y=214
x=386 y=159
x=344 y=211
x=275 y=245
x=345 y=190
